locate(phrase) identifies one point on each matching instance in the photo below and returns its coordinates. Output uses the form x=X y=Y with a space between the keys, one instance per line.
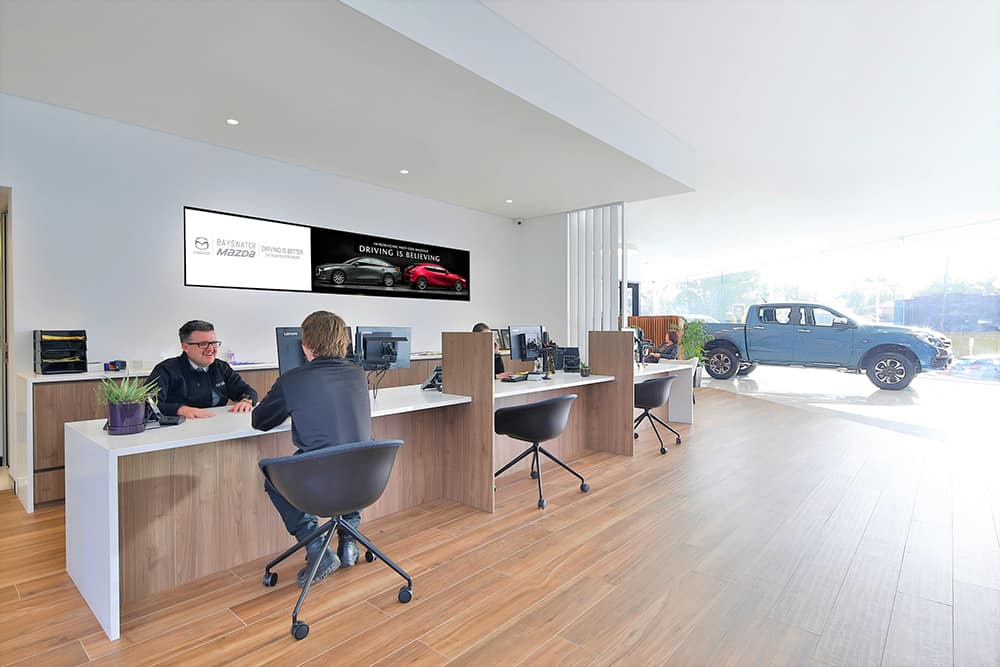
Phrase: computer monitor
x=382 y=347
x=525 y=342
x=290 y=354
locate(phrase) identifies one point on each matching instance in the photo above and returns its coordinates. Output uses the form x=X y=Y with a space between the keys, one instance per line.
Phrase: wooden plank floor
x=771 y=536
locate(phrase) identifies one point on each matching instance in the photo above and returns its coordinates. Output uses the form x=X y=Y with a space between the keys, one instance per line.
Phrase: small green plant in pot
x=584 y=370
x=126 y=401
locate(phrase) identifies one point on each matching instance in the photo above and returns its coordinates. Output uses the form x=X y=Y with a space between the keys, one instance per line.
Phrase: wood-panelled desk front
x=150 y=511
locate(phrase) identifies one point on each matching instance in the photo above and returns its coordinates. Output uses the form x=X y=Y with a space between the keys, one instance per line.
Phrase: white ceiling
x=315 y=84
x=816 y=124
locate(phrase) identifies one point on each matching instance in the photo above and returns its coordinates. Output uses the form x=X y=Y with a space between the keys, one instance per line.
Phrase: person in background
x=196 y=379
x=670 y=349
x=328 y=402
x=498 y=371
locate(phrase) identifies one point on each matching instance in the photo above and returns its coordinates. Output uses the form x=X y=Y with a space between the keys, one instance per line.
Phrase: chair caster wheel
x=542 y=504
x=663 y=450
x=635 y=436
x=405 y=594
x=677 y=441
x=270 y=579
x=585 y=487
x=369 y=557
x=299 y=630
x=534 y=474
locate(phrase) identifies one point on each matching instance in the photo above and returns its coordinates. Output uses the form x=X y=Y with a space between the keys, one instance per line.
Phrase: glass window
x=823 y=317
x=774 y=315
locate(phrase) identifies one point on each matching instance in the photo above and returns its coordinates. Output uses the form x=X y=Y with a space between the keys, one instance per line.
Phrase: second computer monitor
x=290 y=354
x=373 y=349
x=525 y=342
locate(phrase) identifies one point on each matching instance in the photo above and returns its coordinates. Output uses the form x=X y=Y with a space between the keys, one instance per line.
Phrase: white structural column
x=594 y=252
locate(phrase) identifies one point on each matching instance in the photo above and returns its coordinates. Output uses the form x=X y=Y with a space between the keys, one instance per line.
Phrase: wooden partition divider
x=468 y=460
x=655 y=327
x=611 y=420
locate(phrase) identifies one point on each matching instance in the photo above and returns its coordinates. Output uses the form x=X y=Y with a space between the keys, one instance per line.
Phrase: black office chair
x=536 y=423
x=328 y=483
x=653 y=394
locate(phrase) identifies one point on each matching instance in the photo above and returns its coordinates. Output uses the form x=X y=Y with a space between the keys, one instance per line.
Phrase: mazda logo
x=201 y=243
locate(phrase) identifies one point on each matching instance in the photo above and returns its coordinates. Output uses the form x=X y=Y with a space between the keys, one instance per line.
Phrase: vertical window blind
x=595 y=257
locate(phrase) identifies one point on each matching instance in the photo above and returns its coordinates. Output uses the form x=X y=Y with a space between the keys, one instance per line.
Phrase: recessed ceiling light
x=232 y=121
x=404 y=171
x=510 y=201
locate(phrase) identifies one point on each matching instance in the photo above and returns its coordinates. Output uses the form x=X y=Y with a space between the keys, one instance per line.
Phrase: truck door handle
x=805 y=330
x=757 y=327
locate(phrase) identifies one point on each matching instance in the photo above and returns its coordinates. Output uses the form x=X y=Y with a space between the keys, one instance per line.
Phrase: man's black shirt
x=327 y=400
x=180 y=384
x=497 y=364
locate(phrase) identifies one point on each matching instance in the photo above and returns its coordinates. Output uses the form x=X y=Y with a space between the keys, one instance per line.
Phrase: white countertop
x=559 y=380
x=143 y=372
x=645 y=371
x=231 y=425
x=140 y=373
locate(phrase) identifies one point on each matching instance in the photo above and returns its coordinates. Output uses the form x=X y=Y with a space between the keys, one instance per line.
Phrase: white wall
x=97 y=241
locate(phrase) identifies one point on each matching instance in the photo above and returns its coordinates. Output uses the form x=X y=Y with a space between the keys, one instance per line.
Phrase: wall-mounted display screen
x=228 y=250
x=222 y=250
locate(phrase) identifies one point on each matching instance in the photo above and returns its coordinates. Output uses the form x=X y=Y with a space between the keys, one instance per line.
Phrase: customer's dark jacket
x=327 y=400
x=182 y=385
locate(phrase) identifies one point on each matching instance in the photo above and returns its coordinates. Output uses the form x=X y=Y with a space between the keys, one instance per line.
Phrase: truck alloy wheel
x=722 y=364
x=891 y=370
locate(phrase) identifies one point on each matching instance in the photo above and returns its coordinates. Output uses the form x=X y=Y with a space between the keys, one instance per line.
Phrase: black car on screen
x=368 y=270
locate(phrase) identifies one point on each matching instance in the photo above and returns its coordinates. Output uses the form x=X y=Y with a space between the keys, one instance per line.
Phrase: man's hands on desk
x=189 y=412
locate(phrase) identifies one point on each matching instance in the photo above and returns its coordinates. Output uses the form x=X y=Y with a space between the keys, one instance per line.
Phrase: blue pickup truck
x=815 y=336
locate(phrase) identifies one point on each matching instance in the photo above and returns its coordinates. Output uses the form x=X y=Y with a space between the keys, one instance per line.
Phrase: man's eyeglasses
x=207 y=344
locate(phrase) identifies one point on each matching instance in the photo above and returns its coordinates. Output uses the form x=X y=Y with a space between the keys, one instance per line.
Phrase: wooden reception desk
x=151 y=511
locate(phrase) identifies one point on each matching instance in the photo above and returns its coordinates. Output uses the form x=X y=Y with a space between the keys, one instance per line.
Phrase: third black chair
x=536 y=423
x=653 y=394
x=328 y=483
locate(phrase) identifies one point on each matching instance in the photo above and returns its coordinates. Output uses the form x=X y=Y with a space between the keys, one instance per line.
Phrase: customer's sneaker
x=347 y=551
x=327 y=565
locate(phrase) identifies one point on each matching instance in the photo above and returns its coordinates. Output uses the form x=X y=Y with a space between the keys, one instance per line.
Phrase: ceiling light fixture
x=404 y=171
x=510 y=201
x=232 y=121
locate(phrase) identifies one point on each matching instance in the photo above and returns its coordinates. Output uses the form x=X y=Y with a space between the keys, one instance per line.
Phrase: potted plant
x=126 y=401
x=584 y=370
x=693 y=341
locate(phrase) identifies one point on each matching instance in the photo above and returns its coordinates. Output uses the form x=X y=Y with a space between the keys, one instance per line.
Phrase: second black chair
x=649 y=395
x=328 y=483
x=536 y=423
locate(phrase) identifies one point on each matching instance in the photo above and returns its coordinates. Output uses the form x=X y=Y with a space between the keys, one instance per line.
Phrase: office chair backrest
x=653 y=393
x=535 y=422
x=334 y=480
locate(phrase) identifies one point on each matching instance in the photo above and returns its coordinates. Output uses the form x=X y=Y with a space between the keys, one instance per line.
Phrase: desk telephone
x=434 y=381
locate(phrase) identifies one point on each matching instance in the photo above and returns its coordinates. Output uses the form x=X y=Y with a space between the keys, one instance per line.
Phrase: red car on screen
x=423 y=276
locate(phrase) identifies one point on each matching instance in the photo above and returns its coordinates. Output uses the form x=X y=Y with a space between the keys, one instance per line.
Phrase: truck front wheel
x=722 y=363
x=891 y=370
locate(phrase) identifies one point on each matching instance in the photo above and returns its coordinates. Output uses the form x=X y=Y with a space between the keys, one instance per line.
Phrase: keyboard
x=515 y=378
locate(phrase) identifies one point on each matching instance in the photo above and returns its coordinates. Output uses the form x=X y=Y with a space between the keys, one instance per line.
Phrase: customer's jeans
x=298 y=523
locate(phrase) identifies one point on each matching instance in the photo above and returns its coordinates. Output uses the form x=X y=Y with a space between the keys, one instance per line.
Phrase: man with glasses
x=196 y=379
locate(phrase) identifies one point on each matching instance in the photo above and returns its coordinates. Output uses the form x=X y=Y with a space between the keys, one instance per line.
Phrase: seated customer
x=498 y=371
x=328 y=402
x=197 y=380
x=670 y=349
